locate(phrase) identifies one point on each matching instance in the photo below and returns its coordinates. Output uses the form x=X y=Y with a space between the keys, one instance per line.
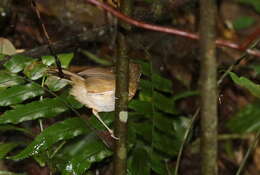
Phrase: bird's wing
x=99 y=84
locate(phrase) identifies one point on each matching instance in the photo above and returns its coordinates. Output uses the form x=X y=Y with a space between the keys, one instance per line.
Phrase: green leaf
x=161 y=84
x=19 y=93
x=145 y=67
x=164 y=123
x=243 y=22
x=157 y=81
x=185 y=94
x=71 y=101
x=2 y=56
x=35 y=70
x=157 y=163
x=107 y=117
x=4 y=128
x=143 y=129
x=17 y=63
x=44 y=157
x=254 y=3
x=64 y=130
x=142 y=107
x=145 y=95
x=176 y=127
x=5 y=148
x=10 y=173
x=146 y=86
x=164 y=103
x=166 y=144
x=140 y=164
x=64 y=58
x=48 y=60
x=55 y=83
x=180 y=126
x=253 y=88
x=131 y=134
x=39 y=109
x=96 y=59
x=246 y=120
x=79 y=155
x=160 y=101
x=256 y=68
x=8 y=79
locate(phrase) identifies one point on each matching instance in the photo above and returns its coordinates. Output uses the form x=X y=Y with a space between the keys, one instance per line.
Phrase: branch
x=47 y=38
x=208 y=88
x=122 y=78
x=122 y=91
x=219 y=42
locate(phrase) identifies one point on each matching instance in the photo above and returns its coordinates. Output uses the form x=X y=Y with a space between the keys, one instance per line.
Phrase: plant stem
x=249 y=151
x=173 y=31
x=121 y=108
x=122 y=84
x=208 y=87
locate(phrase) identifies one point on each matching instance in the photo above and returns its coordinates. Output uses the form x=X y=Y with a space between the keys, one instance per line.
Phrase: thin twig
x=219 y=42
x=239 y=60
x=250 y=149
x=47 y=38
x=185 y=138
x=69 y=106
x=188 y=35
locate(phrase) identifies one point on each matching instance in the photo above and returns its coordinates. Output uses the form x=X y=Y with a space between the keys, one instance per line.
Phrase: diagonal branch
x=47 y=38
x=219 y=42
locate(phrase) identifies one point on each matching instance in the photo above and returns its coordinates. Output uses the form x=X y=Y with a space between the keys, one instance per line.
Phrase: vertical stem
x=208 y=87
x=122 y=77
x=122 y=84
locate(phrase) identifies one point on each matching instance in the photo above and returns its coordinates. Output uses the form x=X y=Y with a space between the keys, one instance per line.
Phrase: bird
x=95 y=88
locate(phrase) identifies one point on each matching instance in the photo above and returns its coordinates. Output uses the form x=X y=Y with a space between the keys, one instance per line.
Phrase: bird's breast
x=101 y=102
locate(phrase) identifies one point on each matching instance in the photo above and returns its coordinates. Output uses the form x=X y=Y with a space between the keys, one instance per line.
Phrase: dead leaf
x=6 y=47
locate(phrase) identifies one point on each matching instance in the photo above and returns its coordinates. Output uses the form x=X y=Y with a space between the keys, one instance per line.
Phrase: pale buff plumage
x=95 y=88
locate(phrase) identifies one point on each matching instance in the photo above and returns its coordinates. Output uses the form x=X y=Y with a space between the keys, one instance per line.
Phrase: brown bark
x=208 y=83
x=122 y=84
x=122 y=77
